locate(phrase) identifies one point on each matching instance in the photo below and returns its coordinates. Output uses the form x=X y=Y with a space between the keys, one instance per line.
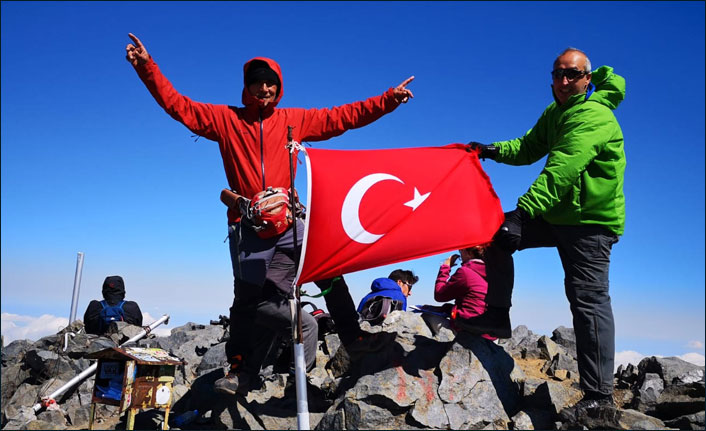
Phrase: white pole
x=77 y=287
x=300 y=379
x=92 y=369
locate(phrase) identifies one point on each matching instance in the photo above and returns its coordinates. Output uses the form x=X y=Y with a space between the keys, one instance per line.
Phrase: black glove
x=510 y=233
x=486 y=151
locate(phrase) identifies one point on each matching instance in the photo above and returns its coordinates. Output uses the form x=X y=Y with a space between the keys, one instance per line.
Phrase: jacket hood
x=252 y=102
x=608 y=89
x=476 y=265
x=383 y=284
x=113 y=289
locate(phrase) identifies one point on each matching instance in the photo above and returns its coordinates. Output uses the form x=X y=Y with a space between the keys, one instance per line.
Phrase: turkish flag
x=370 y=208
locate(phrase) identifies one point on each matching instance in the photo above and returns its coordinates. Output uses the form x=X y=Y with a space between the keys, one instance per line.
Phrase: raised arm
x=200 y=118
x=322 y=124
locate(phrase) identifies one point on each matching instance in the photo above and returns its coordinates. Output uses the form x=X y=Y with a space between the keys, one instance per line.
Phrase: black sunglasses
x=570 y=74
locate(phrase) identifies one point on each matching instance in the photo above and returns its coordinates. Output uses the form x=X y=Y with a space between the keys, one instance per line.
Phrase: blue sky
x=91 y=163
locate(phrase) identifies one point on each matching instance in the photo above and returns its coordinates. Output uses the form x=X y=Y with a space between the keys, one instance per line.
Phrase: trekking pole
x=92 y=369
x=299 y=361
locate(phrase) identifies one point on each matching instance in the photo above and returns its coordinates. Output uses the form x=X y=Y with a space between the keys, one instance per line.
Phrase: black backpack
x=323 y=319
x=376 y=309
x=111 y=313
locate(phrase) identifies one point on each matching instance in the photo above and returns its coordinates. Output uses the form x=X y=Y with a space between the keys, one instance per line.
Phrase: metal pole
x=299 y=361
x=92 y=369
x=77 y=287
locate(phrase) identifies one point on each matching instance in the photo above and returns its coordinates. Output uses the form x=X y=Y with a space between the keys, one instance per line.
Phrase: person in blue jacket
x=398 y=285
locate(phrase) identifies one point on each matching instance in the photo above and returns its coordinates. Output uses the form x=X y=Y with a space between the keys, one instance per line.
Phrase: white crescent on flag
x=350 y=217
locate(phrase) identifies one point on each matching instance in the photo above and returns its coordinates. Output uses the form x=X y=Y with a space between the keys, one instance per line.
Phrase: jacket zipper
x=262 y=153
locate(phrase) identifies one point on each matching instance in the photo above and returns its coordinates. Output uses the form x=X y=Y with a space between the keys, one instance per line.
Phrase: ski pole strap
x=323 y=292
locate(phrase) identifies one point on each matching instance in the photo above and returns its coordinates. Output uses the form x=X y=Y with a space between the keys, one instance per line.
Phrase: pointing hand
x=136 y=54
x=402 y=94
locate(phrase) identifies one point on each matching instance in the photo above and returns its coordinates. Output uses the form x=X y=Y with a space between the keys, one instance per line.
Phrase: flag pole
x=299 y=361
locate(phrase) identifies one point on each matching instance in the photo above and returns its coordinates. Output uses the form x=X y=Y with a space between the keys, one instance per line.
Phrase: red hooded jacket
x=251 y=139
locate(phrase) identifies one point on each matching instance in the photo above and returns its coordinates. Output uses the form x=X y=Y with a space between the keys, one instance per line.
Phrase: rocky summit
x=426 y=378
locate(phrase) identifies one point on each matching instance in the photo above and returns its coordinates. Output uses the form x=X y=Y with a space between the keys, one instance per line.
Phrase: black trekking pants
x=263 y=271
x=585 y=256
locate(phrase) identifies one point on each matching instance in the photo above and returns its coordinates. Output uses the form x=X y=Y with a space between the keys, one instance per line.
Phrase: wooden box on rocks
x=133 y=378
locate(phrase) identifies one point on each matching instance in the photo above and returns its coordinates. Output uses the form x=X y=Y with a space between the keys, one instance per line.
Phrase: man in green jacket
x=576 y=205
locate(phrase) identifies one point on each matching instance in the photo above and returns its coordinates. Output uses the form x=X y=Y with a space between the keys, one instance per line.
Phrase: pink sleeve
x=447 y=289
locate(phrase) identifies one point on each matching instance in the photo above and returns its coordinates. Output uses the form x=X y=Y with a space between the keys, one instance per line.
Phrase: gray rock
x=429 y=412
x=672 y=370
x=360 y=415
x=650 y=391
x=80 y=416
x=408 y=327
x=15 y=350
x=480 y=408
x=687 y=422
x=523 y=343
x=499 y=366
x=679 y=400
x=55 y=417
x=439 y=326
x=420 y=380
x=565 y=337
x=215 y=357
x=45 y=364
x=521 y=421
x=610 y=418
x=552 y=396
x=547 y=348
x=12 y=376
x=562 y=361
x=394 y=385
x=626 y=376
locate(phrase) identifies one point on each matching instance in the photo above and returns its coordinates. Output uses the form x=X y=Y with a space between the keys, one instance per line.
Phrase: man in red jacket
x=252 y=143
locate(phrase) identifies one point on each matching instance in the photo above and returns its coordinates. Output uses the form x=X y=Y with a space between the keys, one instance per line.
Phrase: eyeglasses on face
x=570 y=74
x=408 y=284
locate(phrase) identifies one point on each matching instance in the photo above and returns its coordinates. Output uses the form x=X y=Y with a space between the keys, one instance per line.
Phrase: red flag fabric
x=369 y=208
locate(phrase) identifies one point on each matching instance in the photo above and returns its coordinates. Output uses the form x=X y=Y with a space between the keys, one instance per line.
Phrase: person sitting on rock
x=397 y=286
x=467 y=287
x=113 y=307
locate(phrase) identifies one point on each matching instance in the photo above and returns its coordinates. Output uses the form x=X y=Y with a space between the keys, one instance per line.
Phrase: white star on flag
x=418 y=199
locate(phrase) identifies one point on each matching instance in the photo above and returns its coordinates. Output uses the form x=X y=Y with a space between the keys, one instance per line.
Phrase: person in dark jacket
x=252 y=142
x=113 y=295
x=397 y=285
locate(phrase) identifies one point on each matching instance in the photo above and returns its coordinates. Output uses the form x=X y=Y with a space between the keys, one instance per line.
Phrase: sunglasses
x=570 y=74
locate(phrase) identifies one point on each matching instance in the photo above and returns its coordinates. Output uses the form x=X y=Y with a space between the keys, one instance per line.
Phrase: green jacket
x=582 y=180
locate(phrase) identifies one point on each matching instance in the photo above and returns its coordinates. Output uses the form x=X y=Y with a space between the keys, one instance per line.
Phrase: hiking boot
x=494 y=322
x=367 y=343
x=575 y=416
x=233 y=383
x=594 y=401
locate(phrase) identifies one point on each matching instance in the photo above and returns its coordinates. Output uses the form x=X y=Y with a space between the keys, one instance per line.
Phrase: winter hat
x=260 y=71
x=113 y=287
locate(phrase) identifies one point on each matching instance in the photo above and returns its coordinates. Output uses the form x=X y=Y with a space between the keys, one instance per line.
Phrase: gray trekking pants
x=585 y=255
x=264 y=270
